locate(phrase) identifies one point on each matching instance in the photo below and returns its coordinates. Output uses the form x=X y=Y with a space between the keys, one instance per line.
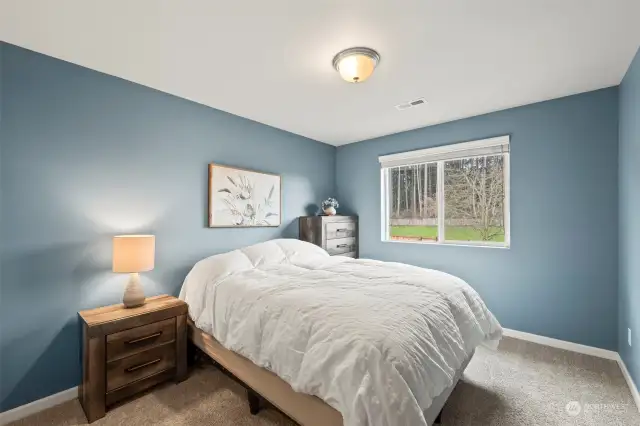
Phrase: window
x=456 y=194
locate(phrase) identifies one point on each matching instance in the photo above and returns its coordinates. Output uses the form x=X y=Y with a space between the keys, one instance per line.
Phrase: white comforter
x=377 y=341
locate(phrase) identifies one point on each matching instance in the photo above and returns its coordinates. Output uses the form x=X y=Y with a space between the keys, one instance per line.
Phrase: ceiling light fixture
x=356 y=64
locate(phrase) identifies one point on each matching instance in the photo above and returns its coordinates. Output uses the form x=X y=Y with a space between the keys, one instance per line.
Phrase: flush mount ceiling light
x=356 y=64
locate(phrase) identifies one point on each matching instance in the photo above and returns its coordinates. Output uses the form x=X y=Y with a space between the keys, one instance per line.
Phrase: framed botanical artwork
x=243 y=198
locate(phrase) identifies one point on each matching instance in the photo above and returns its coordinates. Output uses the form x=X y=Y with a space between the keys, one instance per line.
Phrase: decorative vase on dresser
x=330 y=211
x=338 y=235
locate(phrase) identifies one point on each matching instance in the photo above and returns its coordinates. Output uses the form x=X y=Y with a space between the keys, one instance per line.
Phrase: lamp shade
x=133 y=253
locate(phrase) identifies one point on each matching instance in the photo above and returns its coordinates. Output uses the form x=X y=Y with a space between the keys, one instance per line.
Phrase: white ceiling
x=270 y=61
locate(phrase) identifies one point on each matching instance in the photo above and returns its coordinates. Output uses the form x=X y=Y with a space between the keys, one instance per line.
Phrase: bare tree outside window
x=413 y=202
x=474 y=200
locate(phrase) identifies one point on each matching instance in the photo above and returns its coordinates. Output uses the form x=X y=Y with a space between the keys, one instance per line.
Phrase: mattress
x=377 y=341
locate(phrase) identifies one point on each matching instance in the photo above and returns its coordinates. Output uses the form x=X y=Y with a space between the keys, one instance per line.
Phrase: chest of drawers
x=338 y=235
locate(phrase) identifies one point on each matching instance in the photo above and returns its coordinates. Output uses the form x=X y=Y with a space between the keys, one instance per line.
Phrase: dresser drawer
x=341 y=245
x=127 y=370
x=340 y=230
x=350 y=254
x=135 y=340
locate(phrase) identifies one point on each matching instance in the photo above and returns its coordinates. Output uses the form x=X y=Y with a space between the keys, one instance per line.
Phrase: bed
x=336 y=341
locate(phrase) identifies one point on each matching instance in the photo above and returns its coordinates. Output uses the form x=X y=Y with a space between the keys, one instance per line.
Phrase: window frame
x=385 y=211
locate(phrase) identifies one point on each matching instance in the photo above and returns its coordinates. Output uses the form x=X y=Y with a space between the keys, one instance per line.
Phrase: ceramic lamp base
x=133 y=293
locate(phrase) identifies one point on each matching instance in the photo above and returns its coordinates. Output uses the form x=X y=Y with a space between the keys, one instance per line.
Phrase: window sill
x=451 y=243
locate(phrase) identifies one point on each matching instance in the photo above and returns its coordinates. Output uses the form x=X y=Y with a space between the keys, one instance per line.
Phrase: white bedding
x=377 y=341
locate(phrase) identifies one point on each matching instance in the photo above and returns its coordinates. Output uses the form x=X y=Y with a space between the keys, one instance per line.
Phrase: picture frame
x=243 y=198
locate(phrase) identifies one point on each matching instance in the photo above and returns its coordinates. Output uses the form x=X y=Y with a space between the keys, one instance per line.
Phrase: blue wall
x=86 y=156
x=629 y=178
x=559 y=278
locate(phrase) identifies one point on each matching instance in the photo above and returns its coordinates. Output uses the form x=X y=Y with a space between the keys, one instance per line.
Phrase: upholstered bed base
x=306 y=410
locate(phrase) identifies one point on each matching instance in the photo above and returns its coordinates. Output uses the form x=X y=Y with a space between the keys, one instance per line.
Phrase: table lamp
x=133 y=254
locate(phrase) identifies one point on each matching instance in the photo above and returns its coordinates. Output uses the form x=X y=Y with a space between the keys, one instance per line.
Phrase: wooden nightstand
x=125 y=351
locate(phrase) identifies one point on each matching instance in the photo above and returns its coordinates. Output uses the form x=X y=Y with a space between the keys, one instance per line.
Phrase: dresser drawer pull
x=142 y=339
x=343 y=245
x=341 y=230
x=146 y=364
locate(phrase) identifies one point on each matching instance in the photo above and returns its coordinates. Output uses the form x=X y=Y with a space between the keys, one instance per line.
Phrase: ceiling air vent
x=411 y=104
x=402 y=107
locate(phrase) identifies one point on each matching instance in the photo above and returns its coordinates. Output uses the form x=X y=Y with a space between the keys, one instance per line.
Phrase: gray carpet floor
x=520 y=384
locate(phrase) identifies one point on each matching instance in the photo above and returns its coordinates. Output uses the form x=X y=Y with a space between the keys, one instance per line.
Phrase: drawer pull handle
x=146 y=364
x=342 y=230
x=342 y=245
x=142 y=339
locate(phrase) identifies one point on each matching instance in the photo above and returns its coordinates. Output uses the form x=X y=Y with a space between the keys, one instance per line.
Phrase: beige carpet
x=520 y=384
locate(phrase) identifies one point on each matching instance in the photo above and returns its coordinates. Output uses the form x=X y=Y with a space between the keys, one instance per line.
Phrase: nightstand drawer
x=341 y=245
x=127 y=370
x=340 y=230
x=135 y=340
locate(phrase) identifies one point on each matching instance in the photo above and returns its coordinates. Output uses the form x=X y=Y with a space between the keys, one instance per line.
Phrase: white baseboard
x=37 y=406
x=582 y=349
x=561 y=344
x=632 y=385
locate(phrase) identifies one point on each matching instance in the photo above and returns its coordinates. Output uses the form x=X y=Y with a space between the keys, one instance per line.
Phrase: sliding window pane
x=413 y=206
x=474 y=191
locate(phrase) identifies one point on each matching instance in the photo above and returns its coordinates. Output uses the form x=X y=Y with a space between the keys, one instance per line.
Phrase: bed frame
x=263 y=385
